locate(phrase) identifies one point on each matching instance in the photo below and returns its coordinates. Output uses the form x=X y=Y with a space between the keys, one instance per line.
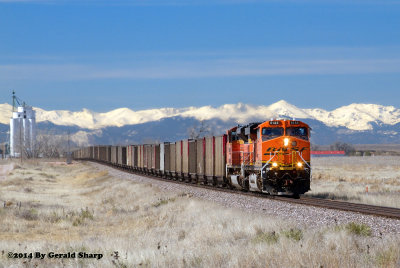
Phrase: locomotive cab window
x=233 y=136
x=271 y=133
x=300 y=132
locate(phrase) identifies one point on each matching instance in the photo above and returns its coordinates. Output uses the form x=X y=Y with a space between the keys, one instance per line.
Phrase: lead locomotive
x=272 y=157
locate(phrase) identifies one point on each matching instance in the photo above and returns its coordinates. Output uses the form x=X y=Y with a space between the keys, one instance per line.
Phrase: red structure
x=328 y=153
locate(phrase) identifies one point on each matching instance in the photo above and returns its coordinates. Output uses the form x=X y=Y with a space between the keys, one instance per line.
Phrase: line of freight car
x=272 y=157
x=198 y=161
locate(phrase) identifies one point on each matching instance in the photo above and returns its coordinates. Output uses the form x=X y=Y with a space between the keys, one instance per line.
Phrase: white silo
x=23 y=131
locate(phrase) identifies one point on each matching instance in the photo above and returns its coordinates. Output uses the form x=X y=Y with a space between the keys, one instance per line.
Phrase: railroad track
x=379 y=211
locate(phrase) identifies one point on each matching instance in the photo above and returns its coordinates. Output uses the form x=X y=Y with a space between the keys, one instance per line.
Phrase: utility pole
x=69 y=158
x=20 y=138
x=14 y=100
x=68 y=141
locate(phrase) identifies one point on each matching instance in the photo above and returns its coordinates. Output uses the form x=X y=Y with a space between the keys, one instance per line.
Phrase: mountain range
x=354 y=123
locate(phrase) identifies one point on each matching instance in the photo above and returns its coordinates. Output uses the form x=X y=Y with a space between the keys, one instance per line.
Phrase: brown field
x=369 y=180
x=378 y=147
x=52 y=207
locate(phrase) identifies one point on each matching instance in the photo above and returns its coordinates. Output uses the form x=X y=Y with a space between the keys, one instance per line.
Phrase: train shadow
x=332 y=196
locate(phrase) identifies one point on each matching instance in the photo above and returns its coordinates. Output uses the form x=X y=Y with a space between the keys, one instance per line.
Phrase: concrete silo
x=22 y=130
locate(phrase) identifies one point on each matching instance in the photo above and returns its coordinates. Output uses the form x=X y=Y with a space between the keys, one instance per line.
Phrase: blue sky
x=103 y=55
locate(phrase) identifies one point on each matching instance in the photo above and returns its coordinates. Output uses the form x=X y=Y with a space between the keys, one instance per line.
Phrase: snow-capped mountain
x=355 y=123
x=355 y=117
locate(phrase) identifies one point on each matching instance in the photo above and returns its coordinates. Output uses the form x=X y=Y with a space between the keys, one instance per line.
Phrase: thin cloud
x=201 y=64
x=195 y=2
x=198 y=69
x=253 y=53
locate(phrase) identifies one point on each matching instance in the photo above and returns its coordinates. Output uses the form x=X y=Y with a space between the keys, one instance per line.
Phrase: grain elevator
x=22 y=129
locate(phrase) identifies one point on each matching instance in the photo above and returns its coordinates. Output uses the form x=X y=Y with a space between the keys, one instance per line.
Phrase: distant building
x=22 y=131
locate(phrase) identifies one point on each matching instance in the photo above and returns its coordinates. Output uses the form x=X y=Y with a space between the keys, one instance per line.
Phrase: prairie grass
x=369 y=180
x=88 y=210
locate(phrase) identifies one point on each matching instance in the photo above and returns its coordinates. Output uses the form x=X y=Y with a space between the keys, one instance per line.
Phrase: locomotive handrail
x=270 y=159
x=300 y=154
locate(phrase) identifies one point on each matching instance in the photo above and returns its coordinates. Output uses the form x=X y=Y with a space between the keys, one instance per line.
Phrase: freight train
x=271 y=157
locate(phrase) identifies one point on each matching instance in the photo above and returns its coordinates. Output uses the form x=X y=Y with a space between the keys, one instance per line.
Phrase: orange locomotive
x=271 y=157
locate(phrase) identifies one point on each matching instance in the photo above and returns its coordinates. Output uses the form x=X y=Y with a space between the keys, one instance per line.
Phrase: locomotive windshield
x=300 y=132
x=233 y=136
x=271 y=133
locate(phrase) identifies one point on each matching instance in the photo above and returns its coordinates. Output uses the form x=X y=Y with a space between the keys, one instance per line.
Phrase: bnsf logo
x=283 y=149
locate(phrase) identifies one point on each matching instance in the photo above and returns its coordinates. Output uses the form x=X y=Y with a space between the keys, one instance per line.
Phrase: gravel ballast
x=300 y=214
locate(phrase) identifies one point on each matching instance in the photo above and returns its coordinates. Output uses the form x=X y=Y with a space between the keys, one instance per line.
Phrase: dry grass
x=348 y=178
x=84 y=209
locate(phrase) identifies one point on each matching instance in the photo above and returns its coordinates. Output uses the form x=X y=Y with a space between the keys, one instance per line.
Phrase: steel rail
x=380 y=211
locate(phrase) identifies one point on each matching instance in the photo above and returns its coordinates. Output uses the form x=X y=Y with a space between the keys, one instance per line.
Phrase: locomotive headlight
x=286 y=141
x=274 y=164
x=299 y=164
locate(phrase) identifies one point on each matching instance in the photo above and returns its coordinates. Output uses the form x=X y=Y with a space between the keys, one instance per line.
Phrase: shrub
x=268 y=237
x=46 y=175
x=181 y=235
x=81 y=217
x=163 y=202
x=120 y=264
x=295 y=234
x=359 y=229
x=54 y=217
x=28 y=190
x=86 y=214
x=28 y=214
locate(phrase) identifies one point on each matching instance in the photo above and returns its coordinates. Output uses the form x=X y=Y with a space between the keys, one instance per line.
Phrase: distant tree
x=199 y=131
x=314 y=147
x=50 y=145
x=342 y=146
